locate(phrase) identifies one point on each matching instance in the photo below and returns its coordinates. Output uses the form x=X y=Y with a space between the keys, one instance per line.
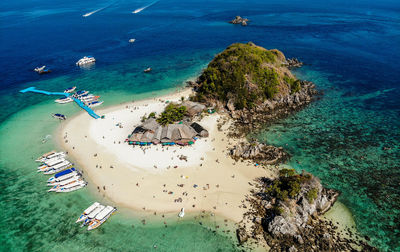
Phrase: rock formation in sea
x=240 y=20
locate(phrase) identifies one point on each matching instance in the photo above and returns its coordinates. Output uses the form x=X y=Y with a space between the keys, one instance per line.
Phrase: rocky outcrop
x=252 y=119
x=239 y=20
x=259 y=152
x=293 y=62
x=289 y=208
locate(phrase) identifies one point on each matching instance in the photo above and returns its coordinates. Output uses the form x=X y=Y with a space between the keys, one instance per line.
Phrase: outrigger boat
x=62 y=184
x=64 y=100
x=51 y=162
x=63 y=175
x=44 y=156
x=88 y=97
x=70 y=89
x=93 y=214
x=72 y=187
x=58 y=167
x=71 y=177
x=101 y=217
x=88 y=210
x=59 y=116
x=50 y=155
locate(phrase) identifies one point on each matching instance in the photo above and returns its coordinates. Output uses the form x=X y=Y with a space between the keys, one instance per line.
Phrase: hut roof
x=197 y=127
x=193 y=107
x=147 y=137
x=150 y=124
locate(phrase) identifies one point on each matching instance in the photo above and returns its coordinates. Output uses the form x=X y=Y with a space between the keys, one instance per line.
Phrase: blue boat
x=59 y=116
x=64 y=172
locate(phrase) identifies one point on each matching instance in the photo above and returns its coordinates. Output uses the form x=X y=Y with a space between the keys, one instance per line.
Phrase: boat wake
x=144 y=7
x=91 y=13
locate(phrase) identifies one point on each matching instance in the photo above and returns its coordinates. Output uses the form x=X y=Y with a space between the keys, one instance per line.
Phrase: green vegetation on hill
x=172 y=113
x=289 y=185
x=247 y=74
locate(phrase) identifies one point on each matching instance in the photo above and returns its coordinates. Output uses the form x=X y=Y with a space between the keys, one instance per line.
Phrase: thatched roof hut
x=193 y=108
x=199 y=130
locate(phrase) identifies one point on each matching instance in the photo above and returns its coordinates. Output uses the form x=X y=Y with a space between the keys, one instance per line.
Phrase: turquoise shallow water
x=351 y=149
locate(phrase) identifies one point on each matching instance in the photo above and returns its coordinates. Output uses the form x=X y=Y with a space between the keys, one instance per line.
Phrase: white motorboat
x=50 y=155
x=42 y=70
x=181 y=213
x=94 y=103
x=51 y=162
x=88 y=210
x=72 y=187
x=70 y=89
x=132 y=40
x=44 y=156
x=86 y=60
x=80 y=93
x=58 y=167
x=93 y=214
x=64 y=100
x=73 y=177
x=101 y=217
x=64 y=183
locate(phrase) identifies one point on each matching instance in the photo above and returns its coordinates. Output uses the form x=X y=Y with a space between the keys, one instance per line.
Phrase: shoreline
x=220 y=193
x=141 y=201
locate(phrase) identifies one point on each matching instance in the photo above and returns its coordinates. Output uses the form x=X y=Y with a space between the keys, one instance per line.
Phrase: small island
x=189 y=150
x=240 y=20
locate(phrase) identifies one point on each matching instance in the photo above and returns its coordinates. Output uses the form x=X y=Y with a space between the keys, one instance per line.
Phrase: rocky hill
x=253 y=84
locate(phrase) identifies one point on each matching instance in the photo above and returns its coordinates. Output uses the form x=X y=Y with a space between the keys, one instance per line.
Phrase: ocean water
x=349 y=138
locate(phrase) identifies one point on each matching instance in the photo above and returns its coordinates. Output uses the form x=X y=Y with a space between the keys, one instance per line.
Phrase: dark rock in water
x=239 y=20
x=259 y=152
x=241 y=235
x=293 y=62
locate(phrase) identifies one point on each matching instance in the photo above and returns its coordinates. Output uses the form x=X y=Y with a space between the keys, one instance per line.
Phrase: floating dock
x=80 y=103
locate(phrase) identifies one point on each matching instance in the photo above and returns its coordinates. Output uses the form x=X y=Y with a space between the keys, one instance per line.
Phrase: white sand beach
x=153 y=178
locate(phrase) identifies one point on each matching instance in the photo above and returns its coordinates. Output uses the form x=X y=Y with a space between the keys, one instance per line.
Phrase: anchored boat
x=59 y=116
x=101 y=217
x=72 y=187
x=88 y=210
x=86 y=60
x=50 y=155
x=42 y=70
x=93 y=214
x=62 y=184
x=70 y=89
x=147 y=70
x=63 y=175
x=64 y=100
x=58 y=167
x=94 y=103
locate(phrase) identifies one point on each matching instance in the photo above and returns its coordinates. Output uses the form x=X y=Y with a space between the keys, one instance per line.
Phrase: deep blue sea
x=349 y=138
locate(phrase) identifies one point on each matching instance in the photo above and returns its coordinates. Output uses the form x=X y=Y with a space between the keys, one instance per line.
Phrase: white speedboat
x=51 y=162
x=94 y=103
x=72 y=187
x=132 y=40
x=64 y=183
x=50 y=155
x=72 y=178
x=86 y=60
x=42 y=70
x=93 y=214
x=147 y=70
x=64 y=100
x=58 y=167
x=88 y=210
x=181 y=213
x=44 y=156
x=101 y=217
x=70 y=89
